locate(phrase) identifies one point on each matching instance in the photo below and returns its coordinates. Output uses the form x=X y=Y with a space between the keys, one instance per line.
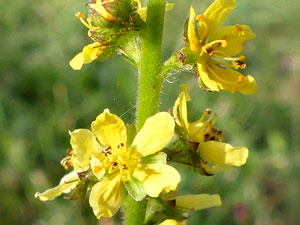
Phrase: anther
x=214 y=130
x=238 y=28
x=207 y=111
x=120 y=145
x=114 y=163
x=209 y=50
x=79 y=15
x=69 y=152
x=200 y=17
x=206 y=137
x=241 y=64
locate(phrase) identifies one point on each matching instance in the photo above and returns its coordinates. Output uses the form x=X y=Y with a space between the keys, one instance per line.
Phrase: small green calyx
x=135 y=189
x=115 y=16
x=159 y=210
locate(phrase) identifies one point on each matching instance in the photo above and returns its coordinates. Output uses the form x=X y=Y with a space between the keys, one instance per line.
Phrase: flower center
x=214 y=49
x=119 y=160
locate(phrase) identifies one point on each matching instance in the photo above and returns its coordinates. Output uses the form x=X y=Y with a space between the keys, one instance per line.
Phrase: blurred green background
x=41 y=98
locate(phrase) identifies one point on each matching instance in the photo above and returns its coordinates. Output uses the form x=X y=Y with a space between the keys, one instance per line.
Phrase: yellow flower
x=217 y=49
x=211 y=151
x=84 y=144
x=90 y=52
x=121 y=163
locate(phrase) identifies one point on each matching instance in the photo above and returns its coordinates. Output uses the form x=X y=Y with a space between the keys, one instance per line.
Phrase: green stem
x=150 y=84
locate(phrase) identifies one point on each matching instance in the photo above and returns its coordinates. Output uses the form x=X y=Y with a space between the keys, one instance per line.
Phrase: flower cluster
x=113 y=162
x=113 y=158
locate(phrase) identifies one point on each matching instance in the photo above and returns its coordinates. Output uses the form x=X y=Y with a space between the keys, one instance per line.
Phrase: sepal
x=135 y=189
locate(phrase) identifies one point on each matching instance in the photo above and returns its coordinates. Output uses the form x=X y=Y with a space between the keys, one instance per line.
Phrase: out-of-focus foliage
x=41 y=98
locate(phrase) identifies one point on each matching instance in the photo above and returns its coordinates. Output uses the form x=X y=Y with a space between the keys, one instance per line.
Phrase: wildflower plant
x=128 y=166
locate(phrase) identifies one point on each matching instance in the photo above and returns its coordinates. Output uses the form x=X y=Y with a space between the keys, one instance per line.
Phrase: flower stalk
x=150 y=84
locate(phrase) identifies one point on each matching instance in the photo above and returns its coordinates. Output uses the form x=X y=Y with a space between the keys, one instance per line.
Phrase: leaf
x=155 y=158
x=135 y=189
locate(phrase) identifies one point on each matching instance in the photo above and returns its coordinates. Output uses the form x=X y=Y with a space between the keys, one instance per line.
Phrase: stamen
x=107 y=150
x=240 y=64
x=239 y=58
x=208 y=48
x=222 y=63
x=121 y=145
x=80 y=16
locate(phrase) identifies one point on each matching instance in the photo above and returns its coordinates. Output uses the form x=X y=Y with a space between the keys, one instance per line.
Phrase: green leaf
x=156 y=158
x=135 y=189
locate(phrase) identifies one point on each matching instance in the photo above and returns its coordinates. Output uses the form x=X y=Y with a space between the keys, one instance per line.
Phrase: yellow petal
x=180 y=107
x=143 y=13
x=222 y=153
x=110 y=130
x=156 y=178
x=173 y=222
x=155 y=134
x=66 y=184
x=191 y=31
x=216 y=14
x=77 y=62
x=198 y=202
x=83 y=143
x=98 y=6
x=97 y=166
x=205 y=77
x=106 y=196
x=231 y=80
x=234 y=36
x=89 y=53
x=212 y=169
x=198 y=129
x=92 y=52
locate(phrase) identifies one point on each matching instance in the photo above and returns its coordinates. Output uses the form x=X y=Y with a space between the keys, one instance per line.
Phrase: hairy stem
x=150 y=84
